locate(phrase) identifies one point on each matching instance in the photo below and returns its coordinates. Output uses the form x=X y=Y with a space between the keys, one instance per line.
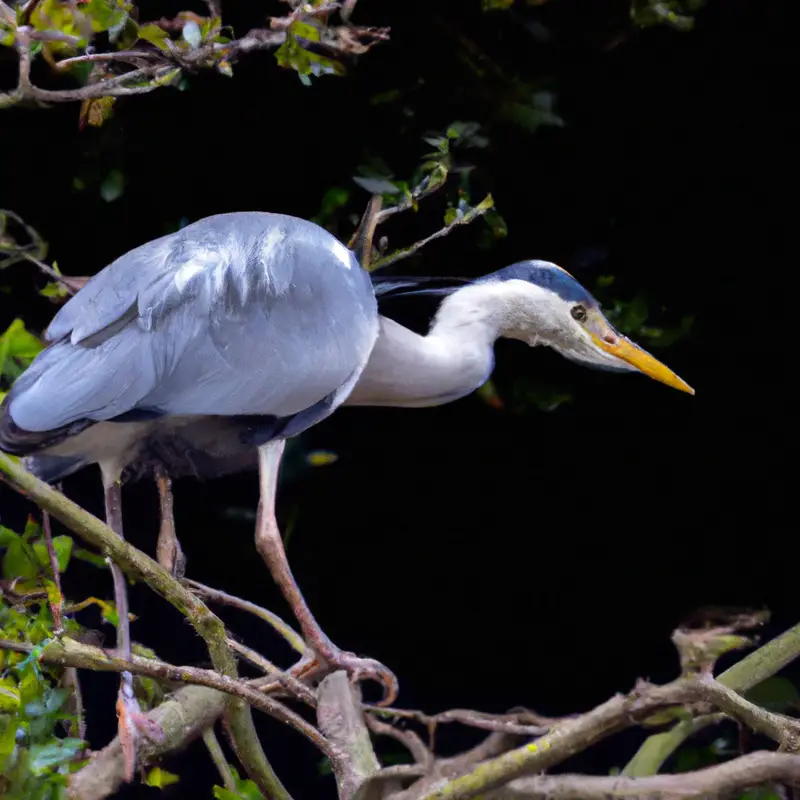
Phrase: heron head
x=552 y=308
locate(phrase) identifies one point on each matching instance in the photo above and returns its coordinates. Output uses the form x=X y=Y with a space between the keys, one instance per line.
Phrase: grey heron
x=202 y=351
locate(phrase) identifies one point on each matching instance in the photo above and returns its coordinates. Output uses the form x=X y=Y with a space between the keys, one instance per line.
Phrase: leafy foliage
x=245 y=789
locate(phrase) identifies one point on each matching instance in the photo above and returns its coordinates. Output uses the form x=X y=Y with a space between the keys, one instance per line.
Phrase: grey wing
x=245 y=313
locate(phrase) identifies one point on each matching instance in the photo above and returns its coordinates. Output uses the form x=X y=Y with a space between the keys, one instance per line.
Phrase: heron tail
x=390 y=286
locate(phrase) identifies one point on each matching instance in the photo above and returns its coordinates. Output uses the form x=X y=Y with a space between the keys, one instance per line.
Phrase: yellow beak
x=627 y=351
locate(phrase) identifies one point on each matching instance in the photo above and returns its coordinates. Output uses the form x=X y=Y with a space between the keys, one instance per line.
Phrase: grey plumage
x=262 y=321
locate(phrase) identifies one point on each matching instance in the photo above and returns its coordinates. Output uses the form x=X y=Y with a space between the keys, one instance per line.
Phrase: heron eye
x=579 y=313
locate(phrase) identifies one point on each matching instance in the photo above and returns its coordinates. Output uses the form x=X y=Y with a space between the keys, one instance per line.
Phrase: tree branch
x=406 y=252
x=754 y=668
x=70 y=653
x=342 y=39
x=182 y=717
x=218 y=596
x=719 y=781
x=574 y=735
x=341 y=719
x=137 y=564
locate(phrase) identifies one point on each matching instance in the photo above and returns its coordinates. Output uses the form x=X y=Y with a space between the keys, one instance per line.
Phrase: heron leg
x=168 y=549
x=270 y=544
x=131 y=720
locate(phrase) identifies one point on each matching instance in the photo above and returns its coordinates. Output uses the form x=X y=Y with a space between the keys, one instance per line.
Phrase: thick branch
x=137 y=564
x=182 y=717
x=719 y=782
x=341 y=719
x=579 y=733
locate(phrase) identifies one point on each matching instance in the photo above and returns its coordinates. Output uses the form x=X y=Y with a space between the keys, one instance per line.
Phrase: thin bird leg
x=168 y=549
x=270 y=545
x=131 y=720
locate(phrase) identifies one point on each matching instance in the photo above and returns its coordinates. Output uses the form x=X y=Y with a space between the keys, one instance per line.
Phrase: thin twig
x=406 y=252
x=218 y=596
x=56 y=606
x=128 y=56
x=409 y=739
x=50 y=272
x=278 y=677
x=425 y=189
x=71 y=680
x=506 y=723
x=218 y=757
x=139 y=565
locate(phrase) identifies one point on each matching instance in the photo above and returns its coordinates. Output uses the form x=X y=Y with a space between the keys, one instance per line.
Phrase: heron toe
x=357 y=668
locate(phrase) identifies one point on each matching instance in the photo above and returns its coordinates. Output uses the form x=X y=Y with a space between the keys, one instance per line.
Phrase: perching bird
x=202 y=351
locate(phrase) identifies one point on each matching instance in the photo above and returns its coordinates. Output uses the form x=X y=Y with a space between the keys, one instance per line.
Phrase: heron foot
x=331 y=658
x=133 y=723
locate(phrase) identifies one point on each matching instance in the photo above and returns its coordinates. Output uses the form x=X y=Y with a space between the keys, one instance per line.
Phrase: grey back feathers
x=238 y=314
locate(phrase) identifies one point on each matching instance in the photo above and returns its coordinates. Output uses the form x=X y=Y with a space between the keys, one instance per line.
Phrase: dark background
x=492 y=558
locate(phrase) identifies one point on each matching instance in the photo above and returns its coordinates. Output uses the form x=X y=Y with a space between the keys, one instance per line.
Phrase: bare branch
x=579 y=733
x=70 y=653
x=182 y=717
x=409 y=739
x=341 y=719
x=218 y=757
x=743 y=675
x=218 y=596
x=471 y=215
x=138 y=565
x=720 y=781
x=56 y=606
x=425 y=189
x=520 y=723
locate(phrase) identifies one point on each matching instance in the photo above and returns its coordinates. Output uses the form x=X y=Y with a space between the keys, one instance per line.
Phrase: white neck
x=454 y=359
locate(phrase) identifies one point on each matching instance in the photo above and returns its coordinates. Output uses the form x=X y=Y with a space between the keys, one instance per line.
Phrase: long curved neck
x=455 y=358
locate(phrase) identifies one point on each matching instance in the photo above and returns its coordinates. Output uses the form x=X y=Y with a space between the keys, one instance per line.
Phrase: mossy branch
x=756 y=667
x=579 y=733
x=138 y=565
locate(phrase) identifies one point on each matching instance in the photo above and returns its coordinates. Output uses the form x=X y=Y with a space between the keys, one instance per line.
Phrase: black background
x=492 y=559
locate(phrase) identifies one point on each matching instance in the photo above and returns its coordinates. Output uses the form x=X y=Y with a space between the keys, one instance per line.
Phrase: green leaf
x=776 y=694
x=245 y=789
x=46 y=756
x=54 y=289
x=159 y=778
x=63 y=548
x=91 y=558
x=9 y=697
x=7 y=536
x=19 y=561
x=18 y=347
x=104 y=14
x=155 y=35
x=113 y=185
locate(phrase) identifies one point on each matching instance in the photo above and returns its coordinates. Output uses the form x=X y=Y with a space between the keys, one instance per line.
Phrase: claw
x=357 y=668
